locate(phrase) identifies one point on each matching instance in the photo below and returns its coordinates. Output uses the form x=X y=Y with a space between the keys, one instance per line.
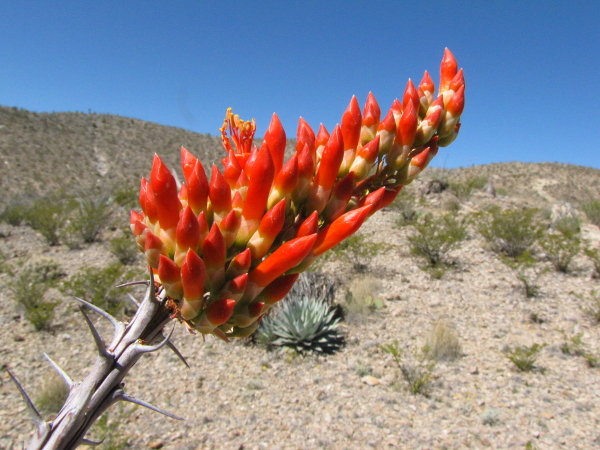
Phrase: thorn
x=133 y=283
x=35 y=415
x=153 y=348
x=179 y=355
x=128 y=398
x=97 y=339
x=100 y=311
x=60 y=371
x=133 y=299
x=92 y=443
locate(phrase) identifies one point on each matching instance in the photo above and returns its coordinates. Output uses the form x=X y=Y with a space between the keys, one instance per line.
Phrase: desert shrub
x=592 y=211
x=47 y=215
x=405 y=206
x=569 y=226
x=303 y=324
x=91 y=216
x=434 y=238
x=572 y=345
x=98 y=286
x=510 y=232
x=14 y=214
x=42 y=269
x=125 y=249
x=594 y=255
x=443 y=343
x=358 y=251
x=464 y=189
x=591 y=305
x=416 y=371
x=523 y=357
x=560 y=250
x=527 y=272
x=29 y=294
x=126 y=196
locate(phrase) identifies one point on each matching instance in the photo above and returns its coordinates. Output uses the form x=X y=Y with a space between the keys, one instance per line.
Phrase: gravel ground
x=240 y=396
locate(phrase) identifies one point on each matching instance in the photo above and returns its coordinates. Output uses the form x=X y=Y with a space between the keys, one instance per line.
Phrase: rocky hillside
x=494 y=351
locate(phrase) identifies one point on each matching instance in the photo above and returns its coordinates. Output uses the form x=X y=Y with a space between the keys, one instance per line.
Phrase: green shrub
x=29 y=294
x=98 y=286
x=592 y=305
x=464 y=189
x=48 y=215
x=92 y=215
x=592 y=211
x=126 y=196
x=416 y=372
x=525 y=270
x=125 y=249
x=434 y=238
x=594 y=255
x=14 y=214
x=560 y=250
x=405 y=206
x=303 y=324
x=509 y=232
x=358 y=251
x=524 y=357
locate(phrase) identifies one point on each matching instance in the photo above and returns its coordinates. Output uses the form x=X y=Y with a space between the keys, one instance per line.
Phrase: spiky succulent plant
x=304 y=324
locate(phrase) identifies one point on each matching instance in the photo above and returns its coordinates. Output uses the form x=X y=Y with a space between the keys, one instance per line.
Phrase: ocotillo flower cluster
x=226 y=247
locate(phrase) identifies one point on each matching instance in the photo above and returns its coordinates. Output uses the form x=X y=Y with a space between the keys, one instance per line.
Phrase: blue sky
x=532 y=67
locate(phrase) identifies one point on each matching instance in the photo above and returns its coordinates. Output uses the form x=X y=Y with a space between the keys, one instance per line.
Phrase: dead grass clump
x=443 y=343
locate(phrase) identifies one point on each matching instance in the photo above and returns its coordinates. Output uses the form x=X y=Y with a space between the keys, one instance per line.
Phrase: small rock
x=371 y=381
x=18 y=338
x=156 y=444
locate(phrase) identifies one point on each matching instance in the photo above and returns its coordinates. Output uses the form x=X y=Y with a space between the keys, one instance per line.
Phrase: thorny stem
x=103 y=386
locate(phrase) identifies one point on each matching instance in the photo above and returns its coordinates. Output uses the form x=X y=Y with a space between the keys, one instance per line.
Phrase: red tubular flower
x=365 y=159
x=408 y=125
x=270 y=226
x=343 y=227
x=304 y=136
x=387 y=133
x=448 y=70
x=305 y=176
x=261 y=178
x=219 y=311
x=147 y=201
x=351 y=125
x=309 y=226
x=197 y=188
x=281 y=260
x=214 y=249
x=285 y=181
x=389 y=196
x=165 y=194
x=327 y=171
x=229 y=227
x=188 y=230
x=239 y=264
x=153 y=248
x=276 y=140
x=370 y=121
x=277 y=289
x=339 y=198
x=220 y=194
x=188 y=161
x=320 y=143
x=170 y=277
x=231 y=169
x=410 y=94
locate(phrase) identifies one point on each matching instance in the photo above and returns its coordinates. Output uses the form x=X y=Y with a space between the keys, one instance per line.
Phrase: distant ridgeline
x=44 y=153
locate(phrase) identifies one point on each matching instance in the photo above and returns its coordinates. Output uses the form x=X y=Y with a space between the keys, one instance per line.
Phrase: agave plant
x=223 y=250
x=304 y=324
